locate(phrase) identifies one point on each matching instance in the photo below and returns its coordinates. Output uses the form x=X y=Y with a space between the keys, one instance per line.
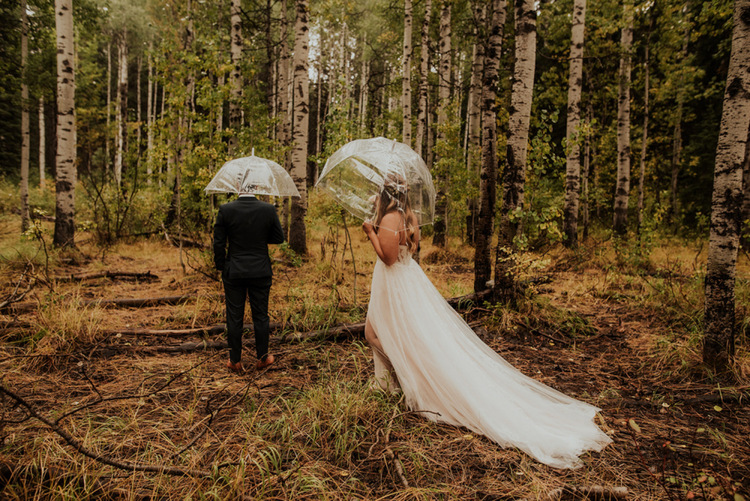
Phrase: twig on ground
x=117 y=463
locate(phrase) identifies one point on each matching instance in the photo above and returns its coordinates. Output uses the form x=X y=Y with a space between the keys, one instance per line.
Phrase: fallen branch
x=104 y=459
x=129 y=275
x=390 y=454
x=125 y=302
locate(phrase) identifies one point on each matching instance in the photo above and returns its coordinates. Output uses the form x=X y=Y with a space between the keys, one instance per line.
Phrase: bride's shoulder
x=391 y=220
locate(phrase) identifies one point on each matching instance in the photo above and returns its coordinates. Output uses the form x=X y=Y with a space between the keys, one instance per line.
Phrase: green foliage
x=540 y=218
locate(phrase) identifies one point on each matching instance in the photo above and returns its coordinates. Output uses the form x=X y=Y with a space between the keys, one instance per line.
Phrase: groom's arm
x=220 y=242
x=276 y=234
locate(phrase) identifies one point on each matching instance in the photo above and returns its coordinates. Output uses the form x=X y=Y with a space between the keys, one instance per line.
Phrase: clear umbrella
x=357 y=173
x=255 y=175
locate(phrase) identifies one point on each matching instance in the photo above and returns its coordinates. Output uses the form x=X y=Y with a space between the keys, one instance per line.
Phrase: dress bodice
x=403 y=254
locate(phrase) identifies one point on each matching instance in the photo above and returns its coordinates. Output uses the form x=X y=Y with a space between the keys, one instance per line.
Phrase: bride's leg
x=384 y=374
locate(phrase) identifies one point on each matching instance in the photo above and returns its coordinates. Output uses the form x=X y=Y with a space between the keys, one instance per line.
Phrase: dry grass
x=310 y=427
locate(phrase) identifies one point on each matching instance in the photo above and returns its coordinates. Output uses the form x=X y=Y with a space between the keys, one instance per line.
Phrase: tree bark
x=575 y=86
x=235 y=77
x=422 y=122
x=622 y=193
x=149 y=115
x=514 y=177
x=488 y=175
x=25 y=130
x=122 y=105
x=406 y=75
x=300 y=126
x=746 y=192
x=42 y=146
x=65 y=171
x=444 y=94
x=726 y=204
x=474 y=122
x=109 y=104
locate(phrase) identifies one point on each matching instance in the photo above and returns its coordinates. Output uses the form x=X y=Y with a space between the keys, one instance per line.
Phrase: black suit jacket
x=248 y=226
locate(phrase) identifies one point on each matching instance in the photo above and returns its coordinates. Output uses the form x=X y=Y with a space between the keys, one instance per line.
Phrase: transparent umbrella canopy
x=356 y=173
x=255 y=175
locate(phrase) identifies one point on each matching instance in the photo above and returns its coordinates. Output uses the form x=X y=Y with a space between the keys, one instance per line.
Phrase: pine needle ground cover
x=132 y=400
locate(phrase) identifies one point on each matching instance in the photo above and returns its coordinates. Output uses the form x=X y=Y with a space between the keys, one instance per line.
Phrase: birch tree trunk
x=514 y=177
x=406 y=75
x=108 y=132
x=122 y=106
x=575 y=86
x=474 y=123
x=300 y=126
x=283 y=123
x=487 y=179
x=423 y=83
x=25 y=130
x=726 y=203
x=42 y=146
x=235 y=78
x=444 y=94
x=149 y=114
x=622 y=191
x=65 y=166
x=644 y=137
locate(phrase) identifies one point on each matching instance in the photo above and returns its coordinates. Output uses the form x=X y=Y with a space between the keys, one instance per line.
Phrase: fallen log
x=126 y=302
x=128 y=275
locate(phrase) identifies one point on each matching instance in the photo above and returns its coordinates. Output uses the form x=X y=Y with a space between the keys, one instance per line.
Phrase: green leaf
x=717 y=408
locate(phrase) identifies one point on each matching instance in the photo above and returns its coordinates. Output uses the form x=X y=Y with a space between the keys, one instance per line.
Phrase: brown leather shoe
x=235 y=367
x=262 y=364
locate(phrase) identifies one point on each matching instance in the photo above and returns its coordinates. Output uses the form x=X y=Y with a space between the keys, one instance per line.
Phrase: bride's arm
x=385 y=241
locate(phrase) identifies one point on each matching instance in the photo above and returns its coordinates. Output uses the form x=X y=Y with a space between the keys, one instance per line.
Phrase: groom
x=248 y=226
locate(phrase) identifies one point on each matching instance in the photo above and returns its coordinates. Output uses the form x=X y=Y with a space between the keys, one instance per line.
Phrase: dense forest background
x=355 y=88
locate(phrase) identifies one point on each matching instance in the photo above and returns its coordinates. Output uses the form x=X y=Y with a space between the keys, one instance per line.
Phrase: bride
x=422 y=346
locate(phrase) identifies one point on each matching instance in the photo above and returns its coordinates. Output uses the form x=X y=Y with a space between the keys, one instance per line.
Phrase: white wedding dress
x=443 y=368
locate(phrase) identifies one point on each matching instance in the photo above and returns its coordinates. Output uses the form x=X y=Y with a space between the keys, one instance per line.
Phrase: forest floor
x=121 y=401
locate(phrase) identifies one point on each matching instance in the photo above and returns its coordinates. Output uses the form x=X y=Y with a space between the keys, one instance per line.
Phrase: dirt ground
x=677 y=434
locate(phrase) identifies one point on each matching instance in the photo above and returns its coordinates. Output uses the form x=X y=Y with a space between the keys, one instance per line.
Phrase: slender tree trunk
x=575 y=86
x=488 y=175
x=514 y=177
x=622 y=193
x=108 y=132
x=235 y=78
x=300 y=126
x=424 y=67
x=474 y=123
x=677 y=131
x=444 y=93
x=718 y=347
x=149 y=115
x=139 y=112
x=585 y=206
x=42 y=146
x=406 y=75
x=25 y=130
x=364 y=94
x=122 y=106
x=65 y=165
x=644 y=137
x=284 y=102
x=746 y=191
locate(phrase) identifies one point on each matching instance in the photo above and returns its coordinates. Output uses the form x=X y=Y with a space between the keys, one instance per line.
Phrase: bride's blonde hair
x=394 y=197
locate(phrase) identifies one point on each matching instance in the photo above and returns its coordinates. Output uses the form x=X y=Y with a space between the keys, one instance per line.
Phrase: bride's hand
x=367 y=227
